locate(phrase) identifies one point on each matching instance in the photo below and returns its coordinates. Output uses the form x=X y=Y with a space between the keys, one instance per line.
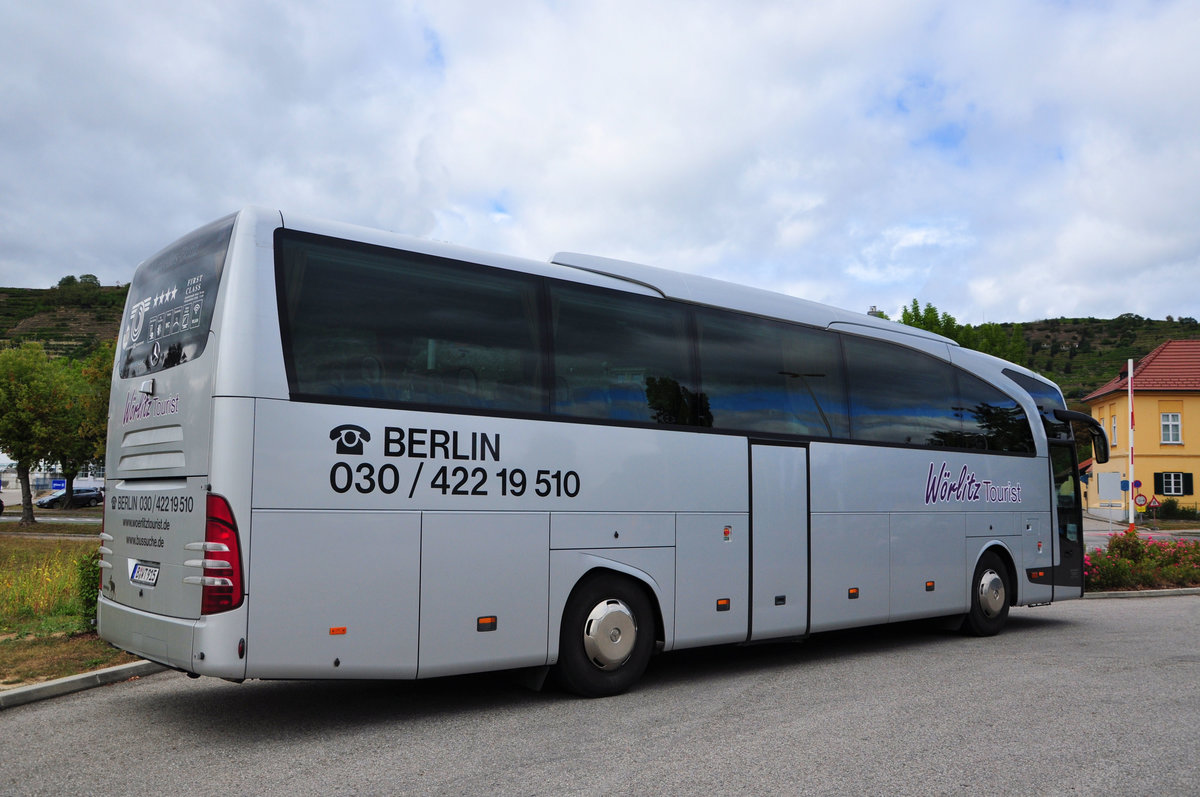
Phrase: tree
x=82 y=291
x=994 y=339
x=930 y=320
x=54 y=410
x=68 y=445
x=97 y=373
x=30 y=394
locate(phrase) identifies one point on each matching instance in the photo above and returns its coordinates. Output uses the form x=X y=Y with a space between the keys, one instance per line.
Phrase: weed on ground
x=45 y=613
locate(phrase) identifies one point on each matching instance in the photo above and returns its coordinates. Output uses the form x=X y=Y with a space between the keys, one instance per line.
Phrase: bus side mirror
x=1099 y=438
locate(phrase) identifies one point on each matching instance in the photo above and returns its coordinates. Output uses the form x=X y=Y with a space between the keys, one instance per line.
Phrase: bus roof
x=720 y=293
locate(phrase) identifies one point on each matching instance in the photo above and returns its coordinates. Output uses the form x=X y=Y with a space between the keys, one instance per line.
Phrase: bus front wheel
x=990 y=597
x=606 y=638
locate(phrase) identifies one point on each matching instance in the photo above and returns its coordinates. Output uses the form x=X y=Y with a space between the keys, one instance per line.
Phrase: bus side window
x=769 y=376
x=620 y=357
x=992 y=420
x=898 y=395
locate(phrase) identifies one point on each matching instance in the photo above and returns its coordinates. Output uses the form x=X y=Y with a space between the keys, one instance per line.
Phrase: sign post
x=1110 y=489
x=1129 y=386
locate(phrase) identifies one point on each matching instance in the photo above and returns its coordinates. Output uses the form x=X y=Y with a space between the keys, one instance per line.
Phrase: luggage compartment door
x=779 y=541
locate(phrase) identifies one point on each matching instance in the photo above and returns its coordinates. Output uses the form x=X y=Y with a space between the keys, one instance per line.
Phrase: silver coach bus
x=337 y=452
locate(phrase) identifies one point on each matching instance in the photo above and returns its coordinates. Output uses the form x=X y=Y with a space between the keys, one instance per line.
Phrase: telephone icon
x=350 y=438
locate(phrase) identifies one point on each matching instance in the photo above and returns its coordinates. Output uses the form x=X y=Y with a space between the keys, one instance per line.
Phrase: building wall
x=1152 y=453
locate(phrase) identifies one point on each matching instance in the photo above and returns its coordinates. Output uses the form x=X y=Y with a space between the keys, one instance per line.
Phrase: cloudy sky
x=1005 y=161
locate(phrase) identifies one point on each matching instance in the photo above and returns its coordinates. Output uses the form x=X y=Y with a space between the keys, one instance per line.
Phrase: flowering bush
x=1131 y=562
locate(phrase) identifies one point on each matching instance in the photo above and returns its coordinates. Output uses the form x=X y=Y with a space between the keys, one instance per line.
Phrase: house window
x=1113 y=437
x=1172 y=427
x=1173 y=483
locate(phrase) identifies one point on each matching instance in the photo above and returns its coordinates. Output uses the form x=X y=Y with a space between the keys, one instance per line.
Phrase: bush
x=1128 y=546
x=87 y=584
x=1104 y=572
x=1131 y=562
x=1171 y=510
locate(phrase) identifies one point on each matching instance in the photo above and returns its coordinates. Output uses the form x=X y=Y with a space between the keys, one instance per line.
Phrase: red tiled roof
x=1175 y=365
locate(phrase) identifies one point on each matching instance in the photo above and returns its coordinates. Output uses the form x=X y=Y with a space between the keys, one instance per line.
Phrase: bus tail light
x=222 y=562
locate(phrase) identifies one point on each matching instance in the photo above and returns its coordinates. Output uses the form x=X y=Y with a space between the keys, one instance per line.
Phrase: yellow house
x=1166 y=440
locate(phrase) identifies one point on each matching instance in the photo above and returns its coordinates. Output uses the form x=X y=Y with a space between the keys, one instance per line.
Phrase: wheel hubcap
x=609 y=634
x=991 y=593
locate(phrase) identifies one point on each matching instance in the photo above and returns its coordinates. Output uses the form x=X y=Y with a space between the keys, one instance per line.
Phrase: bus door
x=779 y=540
x=1068 y=573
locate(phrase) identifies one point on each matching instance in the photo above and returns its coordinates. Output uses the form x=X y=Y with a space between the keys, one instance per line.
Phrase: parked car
x=83 y=496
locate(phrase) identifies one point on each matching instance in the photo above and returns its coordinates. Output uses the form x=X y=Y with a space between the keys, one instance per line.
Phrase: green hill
x=1081 y=354
x=69 y=320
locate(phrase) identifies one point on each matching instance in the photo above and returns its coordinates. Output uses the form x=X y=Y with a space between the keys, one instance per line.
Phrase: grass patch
x=1168 y=525
x=38 y=584
x=30 y=660
x=45 y=613
x=82 y=530
x=81 y=522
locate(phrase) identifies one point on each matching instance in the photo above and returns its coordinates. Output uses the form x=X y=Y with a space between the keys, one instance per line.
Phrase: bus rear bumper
x=209 y=646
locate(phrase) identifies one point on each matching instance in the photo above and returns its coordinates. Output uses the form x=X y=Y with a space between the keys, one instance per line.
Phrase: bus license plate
x=144 y=574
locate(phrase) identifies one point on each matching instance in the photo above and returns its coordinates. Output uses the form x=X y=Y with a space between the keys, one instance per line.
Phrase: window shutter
x=1158 y=484
x=1187 y=484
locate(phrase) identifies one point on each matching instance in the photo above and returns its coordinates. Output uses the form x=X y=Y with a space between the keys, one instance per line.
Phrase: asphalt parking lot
x=1082 y=697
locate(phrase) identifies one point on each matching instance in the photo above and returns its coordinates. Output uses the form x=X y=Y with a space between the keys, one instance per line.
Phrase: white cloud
x=1003 y=161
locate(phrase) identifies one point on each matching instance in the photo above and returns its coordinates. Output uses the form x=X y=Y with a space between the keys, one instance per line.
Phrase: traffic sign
x=1139 y=499
x=1154 y=504
x=58 y=484
x=1137 y=484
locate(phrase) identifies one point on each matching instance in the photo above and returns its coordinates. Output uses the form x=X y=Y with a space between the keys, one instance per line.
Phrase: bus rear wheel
x=991 y=596
x=606 y=638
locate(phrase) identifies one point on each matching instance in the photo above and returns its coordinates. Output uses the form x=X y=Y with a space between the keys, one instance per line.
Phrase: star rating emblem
x=166 y=296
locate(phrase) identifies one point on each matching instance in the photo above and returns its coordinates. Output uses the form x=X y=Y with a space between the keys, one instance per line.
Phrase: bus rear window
x=170 y=304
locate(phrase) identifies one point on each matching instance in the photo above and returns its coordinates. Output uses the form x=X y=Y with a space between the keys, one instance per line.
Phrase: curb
x=76 y=683
x=1145 y=593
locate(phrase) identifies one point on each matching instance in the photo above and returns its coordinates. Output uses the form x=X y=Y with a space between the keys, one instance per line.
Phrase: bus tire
x=607 y=636
x=991 y=596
